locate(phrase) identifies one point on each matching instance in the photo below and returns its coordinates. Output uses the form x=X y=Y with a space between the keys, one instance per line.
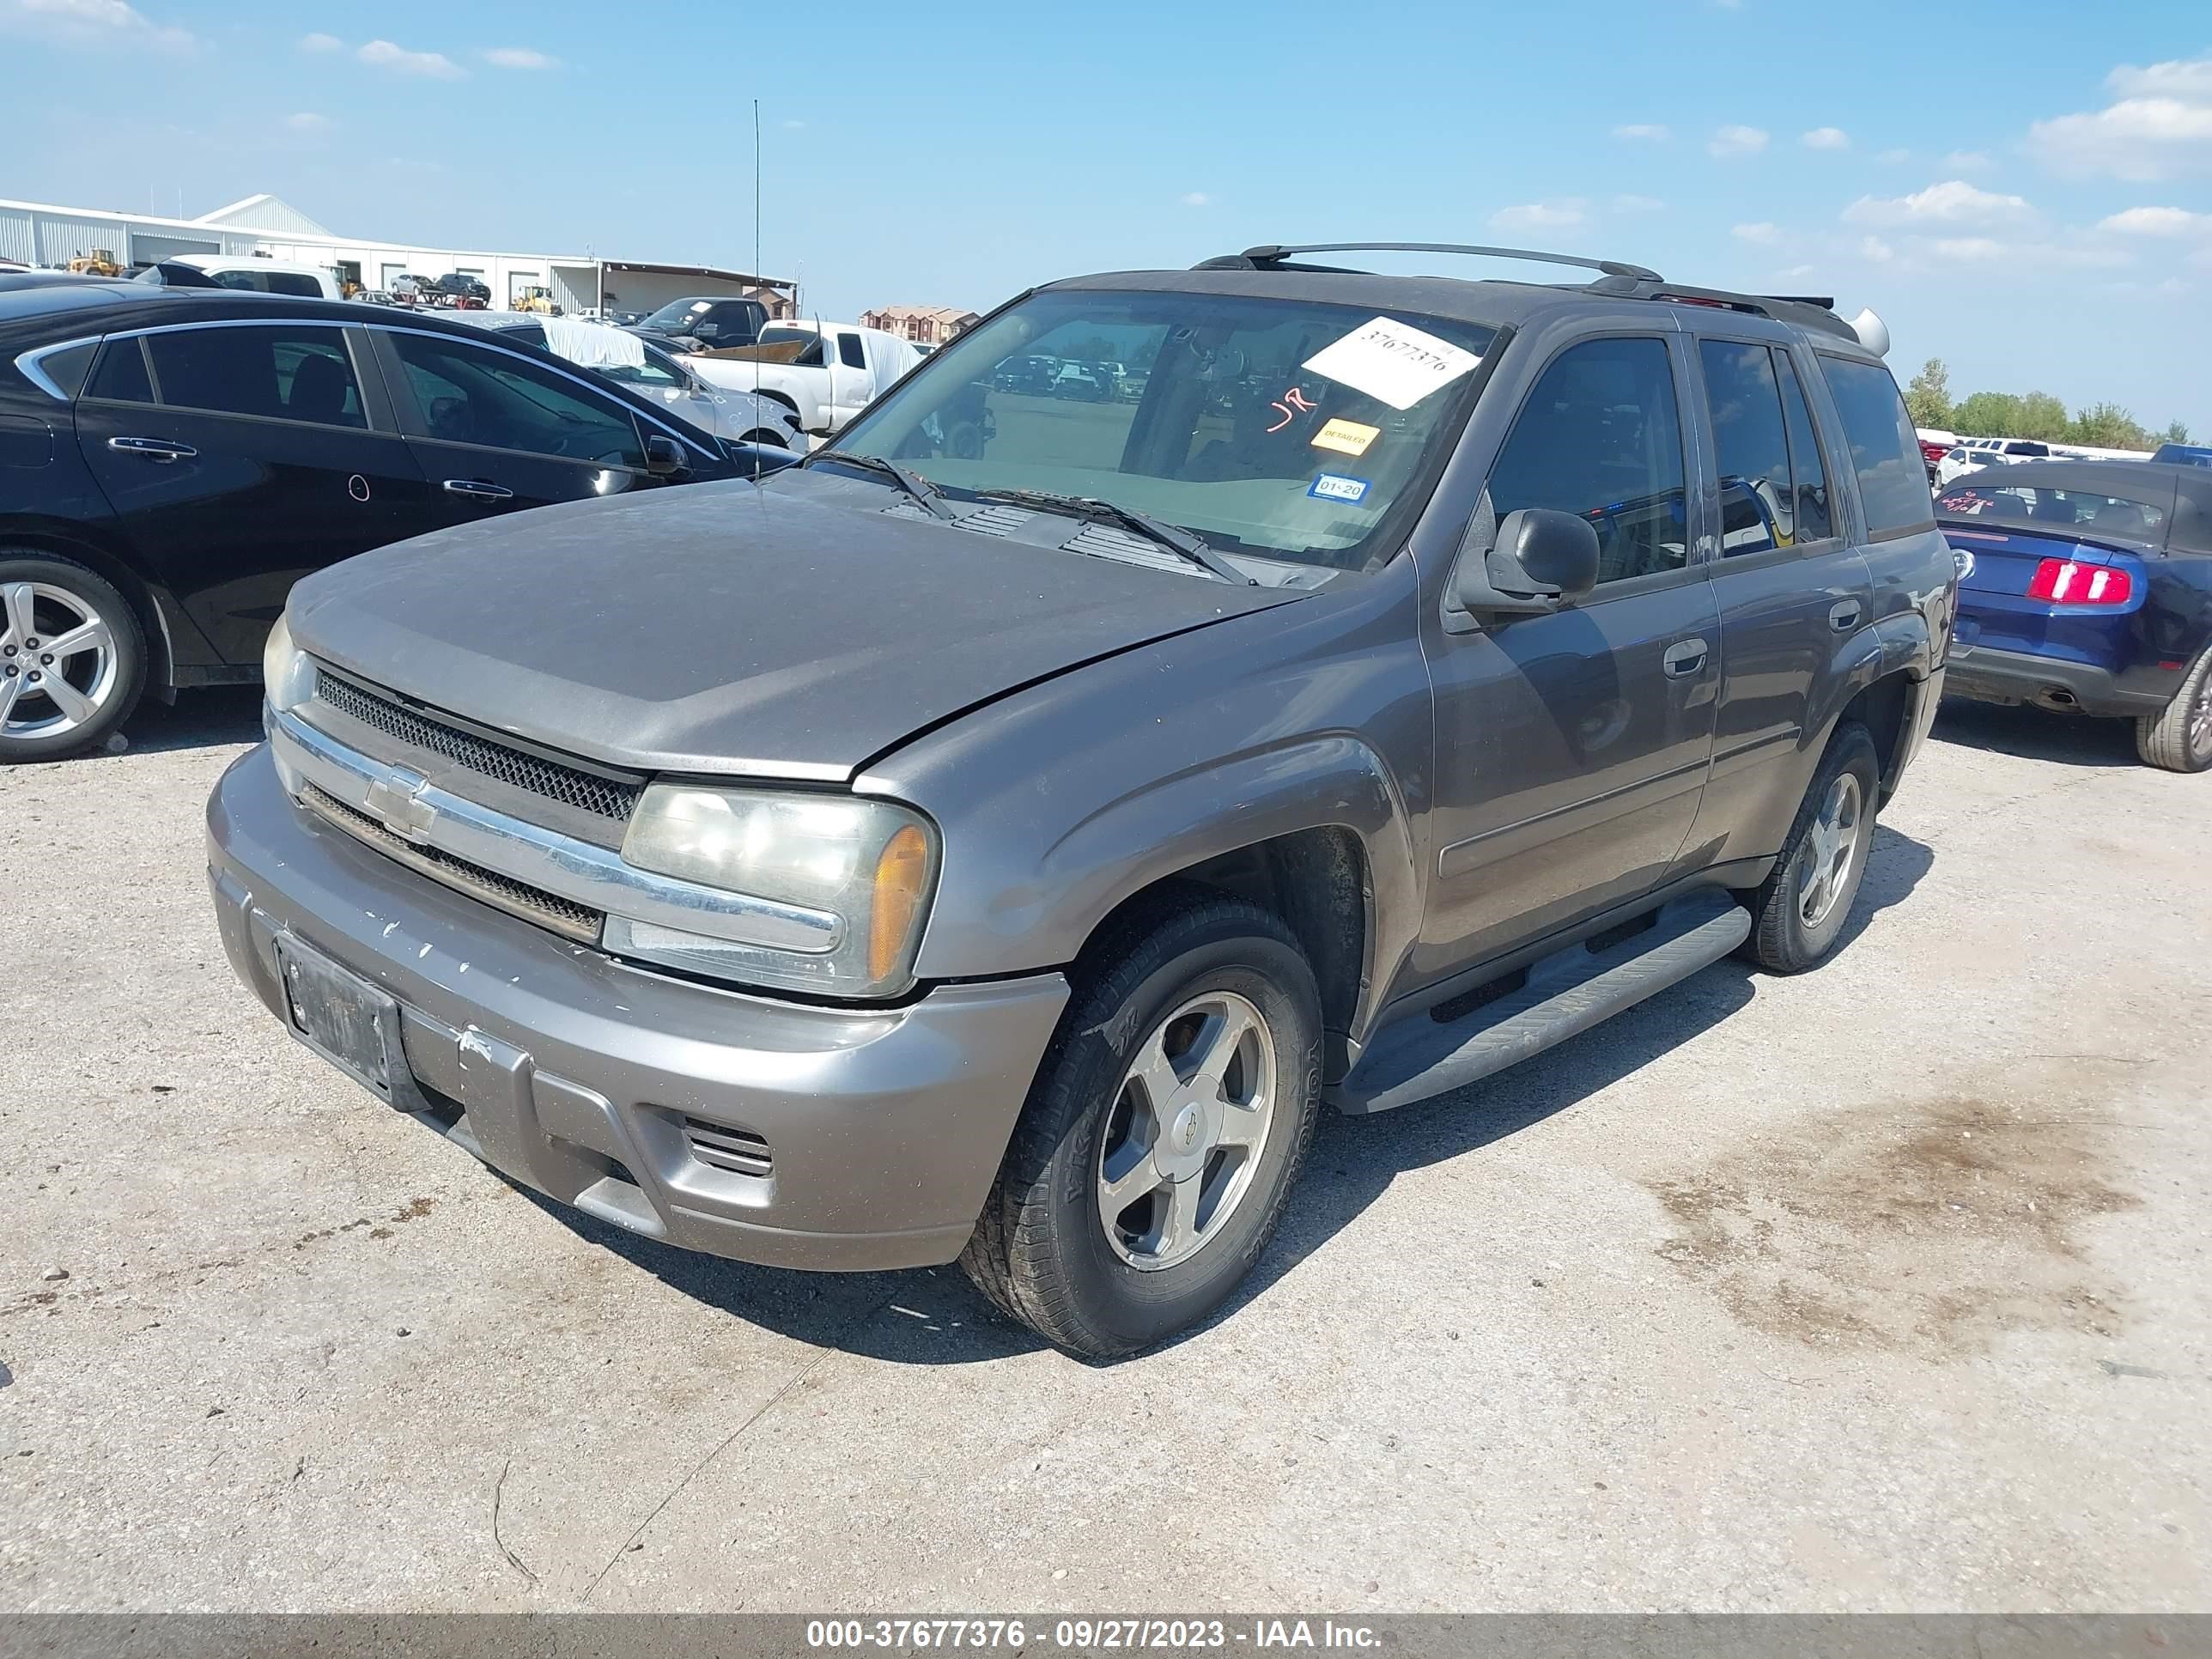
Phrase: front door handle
x=1843 y=617
x=1684 y=658
x=477 y=490
x=153 y=449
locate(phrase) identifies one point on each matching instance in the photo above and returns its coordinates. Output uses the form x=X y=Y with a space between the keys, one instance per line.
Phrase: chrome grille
x=533 y=903
x=606 y=797
x=739 y=1150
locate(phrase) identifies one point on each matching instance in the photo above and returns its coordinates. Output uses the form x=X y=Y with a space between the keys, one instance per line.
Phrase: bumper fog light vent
x=738 y=1149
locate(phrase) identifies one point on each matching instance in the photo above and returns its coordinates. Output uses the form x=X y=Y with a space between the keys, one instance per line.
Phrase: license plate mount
x=348 y=1021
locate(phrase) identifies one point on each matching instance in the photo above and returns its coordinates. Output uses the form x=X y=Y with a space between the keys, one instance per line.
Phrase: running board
x=1567 y=993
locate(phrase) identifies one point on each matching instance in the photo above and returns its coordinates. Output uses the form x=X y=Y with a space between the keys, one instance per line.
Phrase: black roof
x=2184 y=493
x=32 y=315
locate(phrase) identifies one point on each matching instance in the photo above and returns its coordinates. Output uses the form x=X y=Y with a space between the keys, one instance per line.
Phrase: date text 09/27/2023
x=1085 y=1635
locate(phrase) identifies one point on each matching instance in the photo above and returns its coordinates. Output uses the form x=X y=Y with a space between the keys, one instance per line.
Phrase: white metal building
x=40 y=234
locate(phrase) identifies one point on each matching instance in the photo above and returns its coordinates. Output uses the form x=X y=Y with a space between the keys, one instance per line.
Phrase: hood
x=793 y=630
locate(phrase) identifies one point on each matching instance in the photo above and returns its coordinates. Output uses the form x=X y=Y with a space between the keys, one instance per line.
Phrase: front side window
x=1601 y=436
x=469 y=395
x=286 y=373
x=1279 y=428
x=1884 y=450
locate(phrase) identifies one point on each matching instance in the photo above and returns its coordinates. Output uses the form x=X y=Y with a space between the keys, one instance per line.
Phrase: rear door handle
x=477 y=489
x=1844 y=617
x=1684 y=658
x=153 y=449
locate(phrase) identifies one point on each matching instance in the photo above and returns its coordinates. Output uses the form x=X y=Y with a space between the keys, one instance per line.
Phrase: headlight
x=285 y=670
x=843 y=885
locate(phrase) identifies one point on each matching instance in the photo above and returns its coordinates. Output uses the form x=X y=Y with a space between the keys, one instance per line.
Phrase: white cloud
x=2158 y=222
x=91 y=23
x=1828 y=138
x=321 y=43
x=1541 y=215
x=1798 y=270
x=1968 y=161
x=520 y=57
x=1968 y=249
x=1955 y=202
x=308 y=121
x=1877 y=250
x=1196 y=198
x=1761 y=234
x=1728 y=142
x=1642 y=132
x=793 y=126
x=1891 y=158
x=1636 y=204
x=2159 y=127
x=434 y=65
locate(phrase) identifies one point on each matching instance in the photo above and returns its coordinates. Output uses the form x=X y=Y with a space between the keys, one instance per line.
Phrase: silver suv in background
x=997 y=839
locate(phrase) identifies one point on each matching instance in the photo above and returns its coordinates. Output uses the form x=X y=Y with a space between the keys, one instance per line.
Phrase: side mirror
x=664 y=457
x=1542 y=559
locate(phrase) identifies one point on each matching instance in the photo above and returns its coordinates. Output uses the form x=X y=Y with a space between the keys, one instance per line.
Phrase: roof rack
x=1254 y=258
x=1615 y=276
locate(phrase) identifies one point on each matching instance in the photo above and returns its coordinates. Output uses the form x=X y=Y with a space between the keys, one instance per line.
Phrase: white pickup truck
x=827 y=372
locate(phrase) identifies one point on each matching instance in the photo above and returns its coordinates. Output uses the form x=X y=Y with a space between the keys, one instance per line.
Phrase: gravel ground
x=1879 y=1288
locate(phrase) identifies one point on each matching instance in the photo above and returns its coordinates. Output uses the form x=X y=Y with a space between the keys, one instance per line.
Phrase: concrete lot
x=1880 y=1288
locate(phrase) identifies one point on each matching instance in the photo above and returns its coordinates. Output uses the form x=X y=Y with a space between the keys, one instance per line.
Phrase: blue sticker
x=1335 y=487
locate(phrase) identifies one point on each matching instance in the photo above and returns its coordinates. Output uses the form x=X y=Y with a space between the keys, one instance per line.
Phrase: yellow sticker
x=1346 y=437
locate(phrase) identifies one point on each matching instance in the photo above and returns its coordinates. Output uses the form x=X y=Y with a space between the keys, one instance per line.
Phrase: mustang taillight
x=2063 y=581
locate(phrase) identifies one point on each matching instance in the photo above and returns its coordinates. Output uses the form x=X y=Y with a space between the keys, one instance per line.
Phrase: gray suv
x=998 y=837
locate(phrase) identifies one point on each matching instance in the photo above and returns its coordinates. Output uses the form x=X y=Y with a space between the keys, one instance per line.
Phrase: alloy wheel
x=1186 y=1131
x=58 y=665
x=1832 y=843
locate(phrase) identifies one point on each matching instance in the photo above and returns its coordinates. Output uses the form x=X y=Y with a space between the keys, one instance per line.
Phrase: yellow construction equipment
x=536 y=299
x=100 y=262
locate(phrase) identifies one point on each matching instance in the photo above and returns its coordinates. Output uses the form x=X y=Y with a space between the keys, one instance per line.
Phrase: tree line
x=2028 y=415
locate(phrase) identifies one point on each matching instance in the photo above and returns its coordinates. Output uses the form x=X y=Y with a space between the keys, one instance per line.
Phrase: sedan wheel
x=71 y=658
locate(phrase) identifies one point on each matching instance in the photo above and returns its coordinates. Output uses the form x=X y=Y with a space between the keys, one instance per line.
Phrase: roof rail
x=1254 y=258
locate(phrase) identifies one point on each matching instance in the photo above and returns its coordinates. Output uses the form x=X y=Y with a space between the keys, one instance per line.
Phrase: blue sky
x=2027 y=195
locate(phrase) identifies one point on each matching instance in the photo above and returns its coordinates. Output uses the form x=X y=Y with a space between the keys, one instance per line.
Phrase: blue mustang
x=2085 y=587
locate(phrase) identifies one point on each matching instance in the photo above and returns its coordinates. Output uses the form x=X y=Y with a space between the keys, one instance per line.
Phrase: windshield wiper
x=913 y=484
x=1190 y=544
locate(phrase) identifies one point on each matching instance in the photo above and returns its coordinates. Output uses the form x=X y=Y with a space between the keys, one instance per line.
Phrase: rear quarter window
x=1884 y=450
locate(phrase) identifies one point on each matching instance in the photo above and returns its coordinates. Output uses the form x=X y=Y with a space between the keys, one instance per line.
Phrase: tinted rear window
x=1885 y=451
x=1986 y=498
x=122 y=373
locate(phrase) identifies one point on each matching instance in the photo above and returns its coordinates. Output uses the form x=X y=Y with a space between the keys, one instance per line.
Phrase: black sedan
x=172 y=459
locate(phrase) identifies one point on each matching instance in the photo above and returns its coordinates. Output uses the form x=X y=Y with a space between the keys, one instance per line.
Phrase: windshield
x=1279 y=428
x=677 y=315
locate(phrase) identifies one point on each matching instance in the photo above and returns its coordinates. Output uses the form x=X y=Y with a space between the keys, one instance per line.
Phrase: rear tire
x=2179 y=737
x=1167 y=1124
x=1798 y=912
x=80 y=693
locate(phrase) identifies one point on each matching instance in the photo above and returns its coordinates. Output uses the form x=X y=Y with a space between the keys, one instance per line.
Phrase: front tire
x=72 y=658
x=1798 y=914
x=2179 y=738
x=1167 y=1124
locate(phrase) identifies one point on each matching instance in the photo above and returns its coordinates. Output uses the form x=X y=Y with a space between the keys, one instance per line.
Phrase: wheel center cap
x=1189 y=1124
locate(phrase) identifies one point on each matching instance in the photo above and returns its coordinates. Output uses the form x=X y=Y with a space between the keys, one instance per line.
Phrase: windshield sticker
x=1392 y=362
x=1292 y=404
x=1335 y=487
x=1346 y=437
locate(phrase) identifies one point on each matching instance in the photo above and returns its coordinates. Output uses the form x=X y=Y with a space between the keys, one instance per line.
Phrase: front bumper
x=1984 y=674
x=584 y=1078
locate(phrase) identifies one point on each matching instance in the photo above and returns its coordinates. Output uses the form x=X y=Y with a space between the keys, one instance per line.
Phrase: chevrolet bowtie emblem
x=395 y=801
